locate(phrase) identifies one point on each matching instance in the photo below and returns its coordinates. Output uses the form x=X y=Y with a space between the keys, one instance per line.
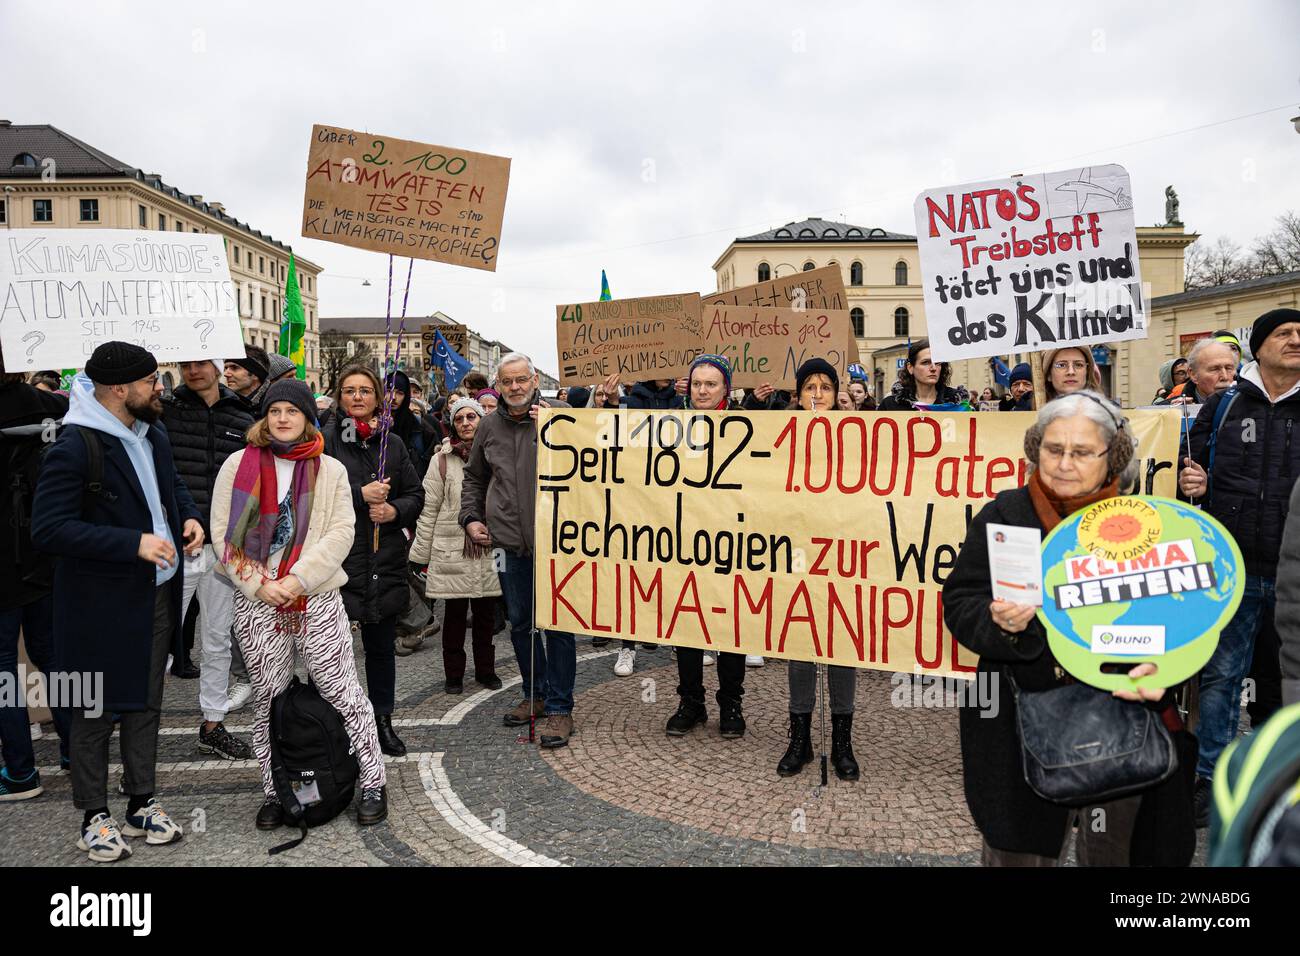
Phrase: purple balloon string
x=386 y=419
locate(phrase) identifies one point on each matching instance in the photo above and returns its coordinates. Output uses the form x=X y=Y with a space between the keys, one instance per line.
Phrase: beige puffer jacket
x=439 y=539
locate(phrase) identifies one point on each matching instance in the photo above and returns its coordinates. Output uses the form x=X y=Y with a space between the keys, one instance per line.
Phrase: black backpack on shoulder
x=313 y=765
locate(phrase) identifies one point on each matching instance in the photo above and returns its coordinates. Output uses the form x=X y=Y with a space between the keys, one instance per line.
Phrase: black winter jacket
x=1256 y=462
x=377 y=586
x=1010 y=815
x=645 y=395
x=25 y=415
x=202 y=438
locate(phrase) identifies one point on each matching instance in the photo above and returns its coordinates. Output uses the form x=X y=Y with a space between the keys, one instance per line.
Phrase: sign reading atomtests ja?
x=1030 y=263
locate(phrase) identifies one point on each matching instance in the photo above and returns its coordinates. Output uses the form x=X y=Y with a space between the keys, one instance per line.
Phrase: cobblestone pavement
x=473 y=792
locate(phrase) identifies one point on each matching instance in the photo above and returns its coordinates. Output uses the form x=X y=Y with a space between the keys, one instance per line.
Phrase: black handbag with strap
x=1083 y=746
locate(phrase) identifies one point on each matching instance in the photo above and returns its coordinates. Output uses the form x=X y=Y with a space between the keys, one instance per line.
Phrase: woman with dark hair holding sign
x=923 y=382
x=1080 y=450
x=816 y=388
x=708 y=388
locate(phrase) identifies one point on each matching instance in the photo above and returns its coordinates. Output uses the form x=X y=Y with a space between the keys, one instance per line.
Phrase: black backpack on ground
x=313 y=765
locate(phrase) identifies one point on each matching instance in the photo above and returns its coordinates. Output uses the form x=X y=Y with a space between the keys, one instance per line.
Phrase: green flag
x=293 y=325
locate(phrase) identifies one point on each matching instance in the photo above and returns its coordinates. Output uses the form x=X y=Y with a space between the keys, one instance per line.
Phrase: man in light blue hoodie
x=111 y=508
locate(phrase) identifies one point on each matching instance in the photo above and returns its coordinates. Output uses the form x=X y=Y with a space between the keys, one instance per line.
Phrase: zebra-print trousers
x=326 y=649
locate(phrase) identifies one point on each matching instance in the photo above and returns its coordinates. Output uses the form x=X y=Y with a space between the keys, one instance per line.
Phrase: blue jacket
x=103 y=591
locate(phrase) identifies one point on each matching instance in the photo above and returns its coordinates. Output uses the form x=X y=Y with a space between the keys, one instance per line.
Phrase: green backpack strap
x=1247 y=770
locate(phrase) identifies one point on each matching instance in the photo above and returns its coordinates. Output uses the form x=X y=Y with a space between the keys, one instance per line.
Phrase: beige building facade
x=882 y=279
x=52 y=180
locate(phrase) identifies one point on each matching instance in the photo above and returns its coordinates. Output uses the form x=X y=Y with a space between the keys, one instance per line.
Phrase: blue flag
x=1001 y=374
x=454 y=366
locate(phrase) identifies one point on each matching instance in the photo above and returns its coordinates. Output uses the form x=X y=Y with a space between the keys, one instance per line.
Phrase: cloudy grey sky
x=645 y=137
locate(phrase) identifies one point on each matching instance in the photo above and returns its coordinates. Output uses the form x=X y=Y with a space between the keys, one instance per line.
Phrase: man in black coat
x=29 y=418
x=652 y=394
x=117 y=582
x=207 y=423
x=1242 y=472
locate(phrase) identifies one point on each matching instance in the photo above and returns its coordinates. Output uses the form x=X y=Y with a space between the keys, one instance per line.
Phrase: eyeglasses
x=1077 y=455
x=509 y=382
x=362 y=392
x=1069 y=366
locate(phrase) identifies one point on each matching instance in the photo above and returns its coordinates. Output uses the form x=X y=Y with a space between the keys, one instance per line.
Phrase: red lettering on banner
x=817 y=568
x=890 y=621
x=995 y=473
x=596 y=626
x=929 y=663
x=800 y=592
x=914 y=454
x=834 y=606
x=656 y=588
x=688 y=585
x=557 y=598
x=764 y=602
x=1174 y=553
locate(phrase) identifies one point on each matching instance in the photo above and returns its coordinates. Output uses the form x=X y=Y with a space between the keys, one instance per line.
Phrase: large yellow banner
x=808 y=536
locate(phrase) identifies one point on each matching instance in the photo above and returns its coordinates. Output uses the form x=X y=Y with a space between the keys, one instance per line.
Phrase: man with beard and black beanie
x=112 y=510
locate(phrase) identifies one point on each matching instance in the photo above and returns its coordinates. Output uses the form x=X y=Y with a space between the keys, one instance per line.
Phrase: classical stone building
x=882 y=279
x=53 y=180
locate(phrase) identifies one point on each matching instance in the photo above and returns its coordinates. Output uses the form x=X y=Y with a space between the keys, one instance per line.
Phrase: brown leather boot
x=526 y=708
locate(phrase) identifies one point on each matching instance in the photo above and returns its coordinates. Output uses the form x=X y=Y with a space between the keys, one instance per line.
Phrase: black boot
x=271 y=815
x=389 y=742
x=800 y=750
x=846 y=768
x=690 y=713
x=731 y=719
x=373 y=807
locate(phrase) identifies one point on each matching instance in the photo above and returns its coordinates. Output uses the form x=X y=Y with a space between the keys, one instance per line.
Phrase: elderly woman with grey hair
x=1081 y=450
x=455 y=568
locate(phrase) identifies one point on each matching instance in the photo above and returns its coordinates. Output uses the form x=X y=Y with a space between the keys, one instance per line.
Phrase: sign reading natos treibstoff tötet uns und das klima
x=1030 y=263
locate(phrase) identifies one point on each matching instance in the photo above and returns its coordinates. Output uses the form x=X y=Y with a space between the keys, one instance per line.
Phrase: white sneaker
x=753 y=660
x=626 y=659
x=708 y=660
x=103 y=841
x=240 y=693
x=152 y=823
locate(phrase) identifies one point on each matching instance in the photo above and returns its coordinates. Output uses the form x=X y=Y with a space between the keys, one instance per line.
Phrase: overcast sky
x=645 y=137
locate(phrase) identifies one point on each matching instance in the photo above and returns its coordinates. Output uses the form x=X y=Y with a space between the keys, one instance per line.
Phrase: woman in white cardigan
x=458 y=571
x=282 y=519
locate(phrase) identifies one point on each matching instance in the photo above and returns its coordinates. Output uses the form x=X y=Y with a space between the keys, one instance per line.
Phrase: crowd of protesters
x=295 y=522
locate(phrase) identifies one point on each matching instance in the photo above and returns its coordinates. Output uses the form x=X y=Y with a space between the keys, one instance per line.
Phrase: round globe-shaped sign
x=1136 y=579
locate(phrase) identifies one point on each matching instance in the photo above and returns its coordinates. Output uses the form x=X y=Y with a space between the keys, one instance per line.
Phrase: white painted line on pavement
x=443 y=797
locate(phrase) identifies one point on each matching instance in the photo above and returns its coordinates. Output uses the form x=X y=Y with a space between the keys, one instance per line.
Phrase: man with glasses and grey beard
x=497 y=510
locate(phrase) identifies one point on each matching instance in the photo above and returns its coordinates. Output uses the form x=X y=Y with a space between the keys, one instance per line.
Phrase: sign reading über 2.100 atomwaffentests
x=405 y=198
x=1030 y=263
x=63 y=292
x=802 y=536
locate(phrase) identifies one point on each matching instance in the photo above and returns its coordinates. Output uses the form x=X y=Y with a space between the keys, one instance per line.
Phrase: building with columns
x=52 y=180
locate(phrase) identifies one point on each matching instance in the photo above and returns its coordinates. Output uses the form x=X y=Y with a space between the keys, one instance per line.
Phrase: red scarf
x=363 y=429
x=1051 y=507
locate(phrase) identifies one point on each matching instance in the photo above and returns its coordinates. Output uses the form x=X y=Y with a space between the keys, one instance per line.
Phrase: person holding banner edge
x=708 y=389
x=497 y=508
x=1080 y=450
x=816 y=386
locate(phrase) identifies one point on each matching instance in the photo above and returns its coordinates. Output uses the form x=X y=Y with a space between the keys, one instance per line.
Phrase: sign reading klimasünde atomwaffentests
x=405 y=198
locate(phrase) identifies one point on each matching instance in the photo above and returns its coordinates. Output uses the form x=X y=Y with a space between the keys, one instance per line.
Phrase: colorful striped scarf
x=255 y=505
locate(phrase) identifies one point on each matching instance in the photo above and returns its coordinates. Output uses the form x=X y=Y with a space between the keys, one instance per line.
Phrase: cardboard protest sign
x=1031 y=263
x=405 y=198
x=652 y=337
x=63 y=292
x=769 y=345
x=1131 y=580
x=455 y=334
x=803 y=536
x=815 y=289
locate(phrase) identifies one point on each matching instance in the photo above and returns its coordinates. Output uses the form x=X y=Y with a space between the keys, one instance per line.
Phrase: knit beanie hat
x=250 y=365
x=816 y=366
x=279 y=365
x=460 y=403
x=716 y=361
x=1021 y=373
x=119 y=363
x=294 y=392
x=1266 y=325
